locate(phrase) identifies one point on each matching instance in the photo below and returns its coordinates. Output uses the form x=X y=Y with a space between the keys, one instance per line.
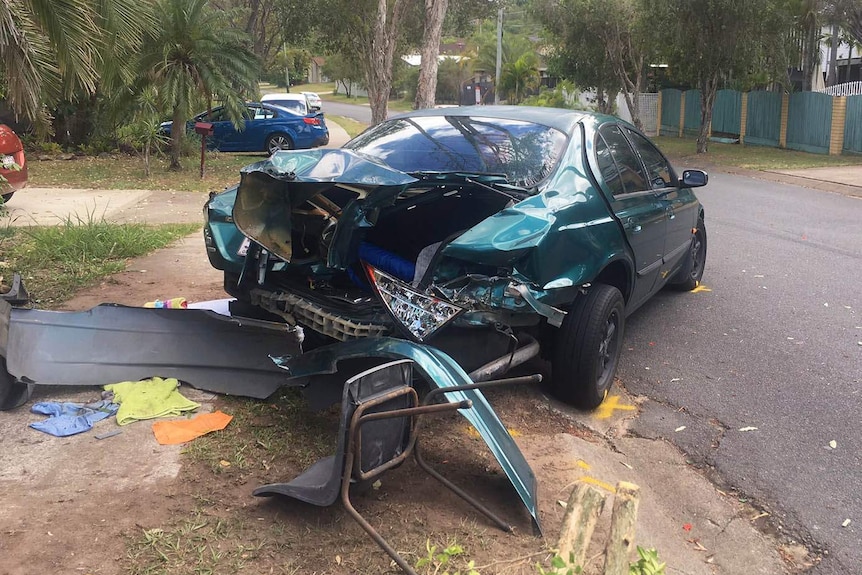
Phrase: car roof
x=561 y=119
x=284 y=96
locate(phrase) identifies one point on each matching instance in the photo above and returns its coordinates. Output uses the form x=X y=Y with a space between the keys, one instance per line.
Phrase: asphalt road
x=359 y=113
x=763 y=367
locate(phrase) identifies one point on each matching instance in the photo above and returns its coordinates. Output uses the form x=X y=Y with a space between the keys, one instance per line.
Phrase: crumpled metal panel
x=112 y=343
x=270 y=190
x=442 y=371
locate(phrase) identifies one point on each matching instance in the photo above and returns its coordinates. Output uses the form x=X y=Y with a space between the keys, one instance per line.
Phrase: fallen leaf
x=680 y=428
x=846 y=523
x=376 y=484
x=686 y=526
x=224 y=463
x=749 y=428
x=833 y=444
x=338 y=559
x=562 y=503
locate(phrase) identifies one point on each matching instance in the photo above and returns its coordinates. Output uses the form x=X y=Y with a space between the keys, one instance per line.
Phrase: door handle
x=670 y=213
x=631 y=224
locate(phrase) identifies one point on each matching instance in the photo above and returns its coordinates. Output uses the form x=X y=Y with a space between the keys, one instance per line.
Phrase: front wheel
x=689 y=275
x=278 y=142
x=588 y=346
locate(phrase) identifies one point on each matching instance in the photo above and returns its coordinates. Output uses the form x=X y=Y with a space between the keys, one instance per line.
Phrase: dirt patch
x=129 y=505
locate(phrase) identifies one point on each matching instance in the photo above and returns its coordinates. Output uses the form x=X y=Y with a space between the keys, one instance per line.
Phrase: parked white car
x=314 y=100
x=296 y=103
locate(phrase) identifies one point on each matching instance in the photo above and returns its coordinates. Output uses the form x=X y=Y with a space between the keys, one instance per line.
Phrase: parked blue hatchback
x=267 y=128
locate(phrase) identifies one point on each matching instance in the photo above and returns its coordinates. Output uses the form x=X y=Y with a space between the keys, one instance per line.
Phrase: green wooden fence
x=691 y=127
x=670 y=103
x=799 y=121
x=727 y=113
x=853 y=125
x=809 y=122
x=764 y=118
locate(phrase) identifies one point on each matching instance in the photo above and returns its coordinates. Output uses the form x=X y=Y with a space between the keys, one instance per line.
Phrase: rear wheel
x=277 y=142
x=588 y=347
x=691 y=272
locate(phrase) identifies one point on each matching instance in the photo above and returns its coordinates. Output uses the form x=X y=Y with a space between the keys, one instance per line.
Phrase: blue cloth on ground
x=69 y=418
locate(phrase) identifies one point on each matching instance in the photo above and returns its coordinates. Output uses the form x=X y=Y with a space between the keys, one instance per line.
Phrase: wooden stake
x=582 y=511
x=622 y=536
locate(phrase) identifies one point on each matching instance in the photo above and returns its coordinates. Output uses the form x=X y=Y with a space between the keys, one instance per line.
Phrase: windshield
x=525 y=152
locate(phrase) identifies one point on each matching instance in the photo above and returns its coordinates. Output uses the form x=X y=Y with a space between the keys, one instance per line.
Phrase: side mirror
x=693 y=179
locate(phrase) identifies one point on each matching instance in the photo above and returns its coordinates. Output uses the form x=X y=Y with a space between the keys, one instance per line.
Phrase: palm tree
x=193 y=55
x=519 y=76
x=52 y=49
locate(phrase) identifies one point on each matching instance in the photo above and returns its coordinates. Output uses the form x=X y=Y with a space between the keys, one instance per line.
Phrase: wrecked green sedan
x=492 y=233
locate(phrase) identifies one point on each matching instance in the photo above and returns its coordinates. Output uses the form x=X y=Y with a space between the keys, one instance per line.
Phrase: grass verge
x=123 y=172
x=351 y=126
x=750 y=157
x=63 y=259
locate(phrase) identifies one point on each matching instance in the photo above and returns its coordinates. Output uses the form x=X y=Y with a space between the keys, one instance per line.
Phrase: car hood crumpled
x=270 y=190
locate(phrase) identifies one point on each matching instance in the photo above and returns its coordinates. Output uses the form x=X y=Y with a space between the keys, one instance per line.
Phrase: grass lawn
x=266 y=88
x=127 y=172
x=351 y=126
x=63 y=259
x=750 y=157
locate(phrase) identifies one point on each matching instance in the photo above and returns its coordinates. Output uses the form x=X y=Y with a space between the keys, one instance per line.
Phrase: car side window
x=629 y=165
x=217 y=115
x=608 y=168
x=263 y=114
x=659 y=171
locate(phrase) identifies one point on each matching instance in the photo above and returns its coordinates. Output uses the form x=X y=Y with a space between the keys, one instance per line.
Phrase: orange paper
x=182 y=430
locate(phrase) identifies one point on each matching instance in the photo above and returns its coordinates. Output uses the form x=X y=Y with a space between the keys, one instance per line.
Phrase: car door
x=257 y=119
x=680 y=204
x=222 y=129
x=635 y=205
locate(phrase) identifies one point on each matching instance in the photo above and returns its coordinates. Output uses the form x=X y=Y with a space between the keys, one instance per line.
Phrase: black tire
x=588 y=346
x=7 y=197
x=277 y=142
x=689 y=275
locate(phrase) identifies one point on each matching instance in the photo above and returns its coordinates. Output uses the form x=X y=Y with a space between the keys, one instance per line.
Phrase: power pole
x=499 y=56
x=286 y=68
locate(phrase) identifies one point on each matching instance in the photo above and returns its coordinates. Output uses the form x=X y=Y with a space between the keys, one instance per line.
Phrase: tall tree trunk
x=708 y=91
x=435 y=13
x=832 y=77
x=378 y=62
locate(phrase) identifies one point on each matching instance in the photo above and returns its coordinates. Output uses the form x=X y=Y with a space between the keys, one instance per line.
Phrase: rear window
x=525 y=152
x=295 y=106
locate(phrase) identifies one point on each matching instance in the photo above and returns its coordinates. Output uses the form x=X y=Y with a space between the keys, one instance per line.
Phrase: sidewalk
x=845 y=180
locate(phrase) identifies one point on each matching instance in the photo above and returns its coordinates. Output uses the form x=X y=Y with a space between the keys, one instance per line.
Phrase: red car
x=13 y=166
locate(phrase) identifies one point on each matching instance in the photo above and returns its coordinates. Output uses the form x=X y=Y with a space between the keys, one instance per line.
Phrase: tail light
x=312 y=121
x=420 y=314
